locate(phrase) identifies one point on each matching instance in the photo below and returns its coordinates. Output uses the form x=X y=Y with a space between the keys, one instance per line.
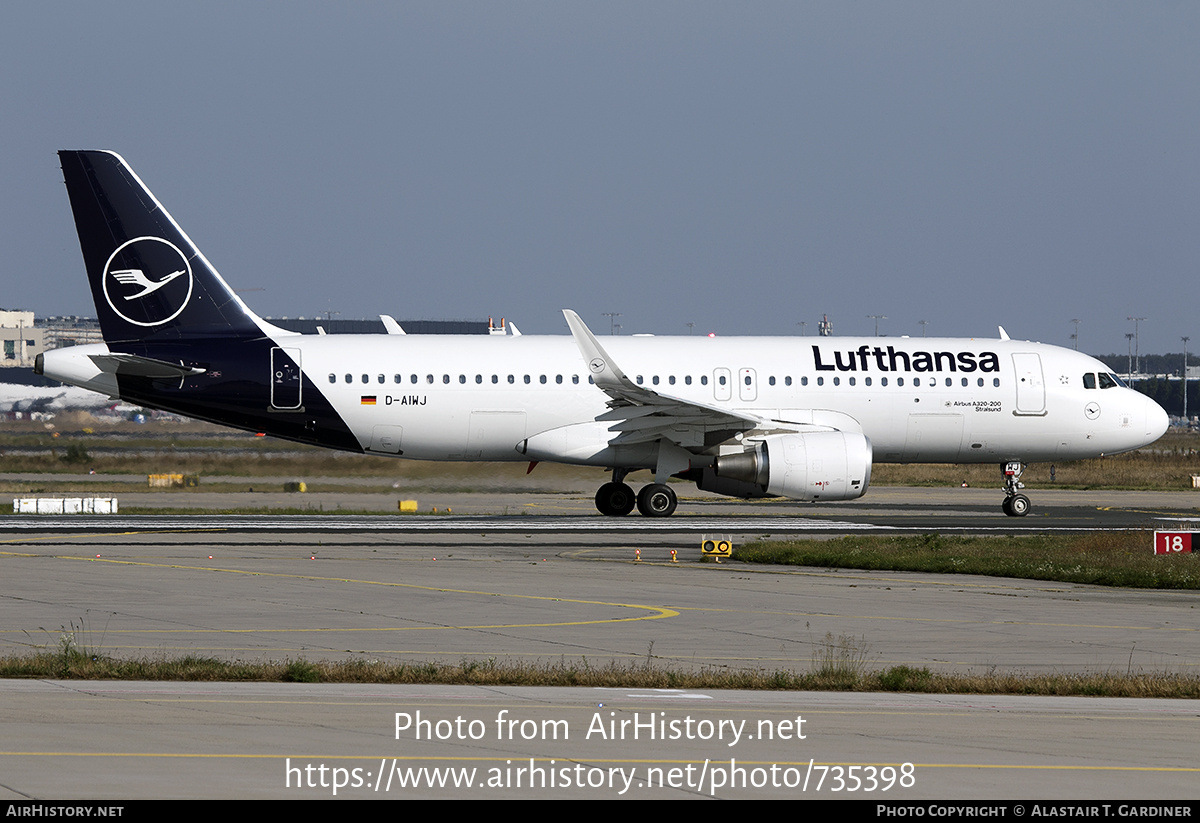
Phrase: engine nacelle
x=707 y=480
x=832 y=465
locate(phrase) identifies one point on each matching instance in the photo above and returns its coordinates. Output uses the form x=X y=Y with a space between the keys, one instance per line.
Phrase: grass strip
x=1121 y=558
x=835 y=668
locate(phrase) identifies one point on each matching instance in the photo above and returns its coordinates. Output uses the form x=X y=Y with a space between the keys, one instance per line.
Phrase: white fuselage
x=476 y=398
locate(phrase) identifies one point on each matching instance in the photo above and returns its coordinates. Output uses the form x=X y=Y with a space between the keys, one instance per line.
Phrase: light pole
x=1185 y=340
x=1075 y=336
x=1137 y=349
x=877 y=318
x=1129 y=368
x=923 y=323
x=612 y=321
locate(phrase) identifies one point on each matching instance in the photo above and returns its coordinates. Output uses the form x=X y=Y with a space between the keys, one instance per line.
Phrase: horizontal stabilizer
x=131 y=365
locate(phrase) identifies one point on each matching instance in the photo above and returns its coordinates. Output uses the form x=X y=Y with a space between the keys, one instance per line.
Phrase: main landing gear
x=617 y=499
x=1015 y=505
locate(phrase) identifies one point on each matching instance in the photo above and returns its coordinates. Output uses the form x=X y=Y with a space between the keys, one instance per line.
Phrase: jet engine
x=827 y=465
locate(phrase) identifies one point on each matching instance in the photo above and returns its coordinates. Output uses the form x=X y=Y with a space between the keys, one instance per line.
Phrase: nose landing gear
x=1015 y=505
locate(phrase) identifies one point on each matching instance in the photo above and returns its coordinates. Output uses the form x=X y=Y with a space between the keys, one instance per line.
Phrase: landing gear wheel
x=1015 y=505
x=657 y=500
x=615 y=499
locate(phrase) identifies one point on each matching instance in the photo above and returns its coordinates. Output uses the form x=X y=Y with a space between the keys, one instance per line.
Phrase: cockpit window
x=1108 y=381
x=1089 y=381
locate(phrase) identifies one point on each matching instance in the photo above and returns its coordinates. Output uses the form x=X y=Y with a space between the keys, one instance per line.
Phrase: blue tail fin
x=149 y=281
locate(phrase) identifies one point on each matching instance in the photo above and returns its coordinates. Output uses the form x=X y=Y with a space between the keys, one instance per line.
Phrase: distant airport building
x=63 y=331
x=60 y=332
x=20 y=340
x=308 y=325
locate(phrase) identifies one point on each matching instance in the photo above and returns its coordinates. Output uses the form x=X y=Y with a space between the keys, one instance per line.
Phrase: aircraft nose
x=1156 y=420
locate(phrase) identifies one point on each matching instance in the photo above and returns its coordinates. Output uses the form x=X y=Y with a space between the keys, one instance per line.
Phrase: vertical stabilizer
x=149 y=281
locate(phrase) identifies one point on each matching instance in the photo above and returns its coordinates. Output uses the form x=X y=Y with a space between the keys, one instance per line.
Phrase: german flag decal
x=368 y=400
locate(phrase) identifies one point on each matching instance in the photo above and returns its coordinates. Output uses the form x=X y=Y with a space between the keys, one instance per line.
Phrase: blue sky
x=742 y=167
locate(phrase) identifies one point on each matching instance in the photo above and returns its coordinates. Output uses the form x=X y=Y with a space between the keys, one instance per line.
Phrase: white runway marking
x=431 y=524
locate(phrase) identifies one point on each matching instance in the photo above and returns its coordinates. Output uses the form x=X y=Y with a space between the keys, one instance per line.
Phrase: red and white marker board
x=1174 y=542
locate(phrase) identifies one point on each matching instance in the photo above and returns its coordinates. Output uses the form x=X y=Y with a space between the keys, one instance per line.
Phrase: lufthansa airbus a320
x=802 y=418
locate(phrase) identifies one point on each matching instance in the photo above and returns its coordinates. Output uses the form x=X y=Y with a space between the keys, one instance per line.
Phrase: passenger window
x=803 y=381
x=527 y=381
x=558 y=379
x=996 y=382
x=981 y=382
x=397 y=378
x=820 y=381
x=867 y=380
x=414 y=380
x=787 y=381
x=462 y=379
x=1089 y=381
x=851 y=381
x=883 y=381
x=671 y=380
x=381 y=378
x=770 y=380
x=366 y=379
x=429 y=379
x=837 y=381
x=721 y=379
x=512 y=379
x=899 y=381
x=949 y=382
x=575 y=379
x=333 y=378
x=446 y=379
x=687 y=380
x=639 y=380
x=478 y=379
x=704 y=380
x=916 y=381
x=654 y=379
x=966 y=382
x=495 y=378
x=542 y=379
x=349 y=378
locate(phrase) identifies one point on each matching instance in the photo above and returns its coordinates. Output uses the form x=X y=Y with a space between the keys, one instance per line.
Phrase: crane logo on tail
x=147 y=281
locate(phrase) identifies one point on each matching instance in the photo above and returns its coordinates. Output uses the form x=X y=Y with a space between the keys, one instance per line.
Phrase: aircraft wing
x=641 y=415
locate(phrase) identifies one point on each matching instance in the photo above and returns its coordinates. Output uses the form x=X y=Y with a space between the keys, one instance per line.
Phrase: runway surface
x=566 y=589
x=892 y=508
